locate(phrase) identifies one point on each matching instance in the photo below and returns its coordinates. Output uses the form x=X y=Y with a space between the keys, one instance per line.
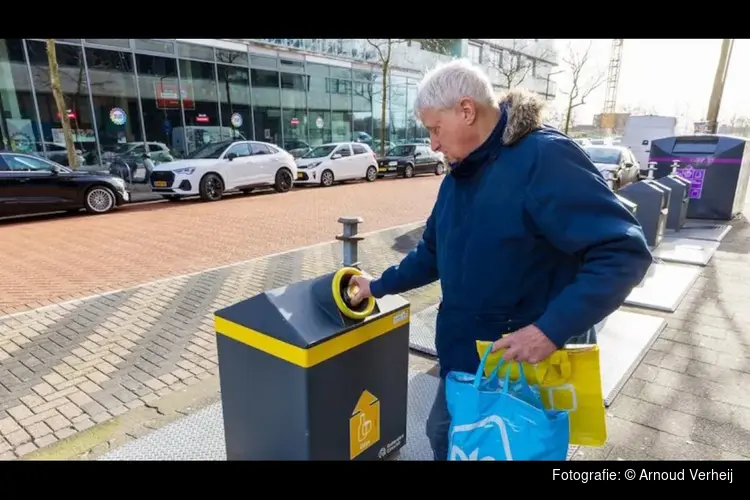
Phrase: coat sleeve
x=578 y=213
x=417 y=269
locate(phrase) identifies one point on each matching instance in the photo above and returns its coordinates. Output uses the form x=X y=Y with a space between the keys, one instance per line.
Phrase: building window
x=191 y=95
x=294 y=108
x=496 y=58
x=114 y=94
x=18 y=119
x=475 y=53
x=266 y=105
x=200 y=102
x=319 y=103
x=362 y=105
x=234 y=95
x=160 y=101
x=74 y=82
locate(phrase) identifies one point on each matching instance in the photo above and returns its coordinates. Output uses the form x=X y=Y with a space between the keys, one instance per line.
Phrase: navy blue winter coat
x=524 y=230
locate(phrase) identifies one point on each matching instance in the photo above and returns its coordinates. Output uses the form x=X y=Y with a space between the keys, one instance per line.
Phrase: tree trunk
x=54 y=77
x=567 y=116
x=383 y=109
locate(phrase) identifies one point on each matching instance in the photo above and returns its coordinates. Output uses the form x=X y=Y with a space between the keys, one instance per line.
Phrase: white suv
x=218 y=167
x=337 y=161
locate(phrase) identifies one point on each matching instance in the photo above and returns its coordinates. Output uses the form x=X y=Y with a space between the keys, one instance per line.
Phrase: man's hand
x=363 y=283
x=528 y=344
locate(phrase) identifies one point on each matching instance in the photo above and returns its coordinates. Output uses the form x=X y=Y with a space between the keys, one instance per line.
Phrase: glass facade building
x=137 y=93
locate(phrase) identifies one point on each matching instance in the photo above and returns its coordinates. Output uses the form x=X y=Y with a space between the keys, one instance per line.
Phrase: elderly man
x=531 y=247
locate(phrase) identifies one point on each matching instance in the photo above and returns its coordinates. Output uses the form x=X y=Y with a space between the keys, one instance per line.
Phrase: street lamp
x=719 y=80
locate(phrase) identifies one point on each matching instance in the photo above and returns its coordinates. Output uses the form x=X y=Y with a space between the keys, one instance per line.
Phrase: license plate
x=299 y=175
x=381 y=169
x=160 y=184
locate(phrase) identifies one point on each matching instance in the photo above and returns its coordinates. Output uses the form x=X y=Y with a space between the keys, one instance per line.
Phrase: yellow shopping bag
x=570 y=380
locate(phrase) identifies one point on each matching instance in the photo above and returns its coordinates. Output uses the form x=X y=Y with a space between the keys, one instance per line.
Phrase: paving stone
x=101 y=357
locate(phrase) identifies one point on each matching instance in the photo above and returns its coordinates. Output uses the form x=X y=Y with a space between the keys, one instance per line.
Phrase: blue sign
x=167 y=127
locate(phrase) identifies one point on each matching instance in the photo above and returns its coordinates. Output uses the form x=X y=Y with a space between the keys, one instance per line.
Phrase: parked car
x=375 y=145
x=58 y=153
x=337 y=161
x=615 y=162
x=32 y=185
x=411 y=159
x=296 y=147
x=583 y=142
x=218 y=167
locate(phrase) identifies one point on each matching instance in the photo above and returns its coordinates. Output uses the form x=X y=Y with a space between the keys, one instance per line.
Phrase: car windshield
x=121 y=148
x=211 y=151
x=320 y=151
x=610 y=156
x=401 y=151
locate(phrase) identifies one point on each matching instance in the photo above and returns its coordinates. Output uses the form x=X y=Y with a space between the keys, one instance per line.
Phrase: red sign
x=71 y=115
x=201 y=118
x=167 y=95
x=295 y=121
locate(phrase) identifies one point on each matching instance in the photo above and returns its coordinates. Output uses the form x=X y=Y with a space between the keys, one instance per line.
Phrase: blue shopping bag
x=494 y=419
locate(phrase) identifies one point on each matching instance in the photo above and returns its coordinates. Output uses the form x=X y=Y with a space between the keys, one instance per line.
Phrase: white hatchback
x=337 y=161
x=222 y=166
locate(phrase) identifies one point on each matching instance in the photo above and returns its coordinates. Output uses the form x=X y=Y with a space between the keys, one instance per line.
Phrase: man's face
x=451 y=131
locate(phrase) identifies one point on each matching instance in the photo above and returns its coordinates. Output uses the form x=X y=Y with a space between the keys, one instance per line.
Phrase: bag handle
x=482 y=363
x=496 y=371
x=554 y=370
x=480 y=371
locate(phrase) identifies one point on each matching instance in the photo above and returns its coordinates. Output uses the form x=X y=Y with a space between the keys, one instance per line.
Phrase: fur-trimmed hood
x=521 y=114
x=525 y=112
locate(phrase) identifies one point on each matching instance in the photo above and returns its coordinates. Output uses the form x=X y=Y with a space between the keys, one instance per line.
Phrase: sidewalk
x=79 y=378
x=66 y=368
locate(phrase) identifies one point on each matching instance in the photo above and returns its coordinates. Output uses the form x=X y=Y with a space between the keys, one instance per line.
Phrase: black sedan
x=409 y=160
x=33 y=185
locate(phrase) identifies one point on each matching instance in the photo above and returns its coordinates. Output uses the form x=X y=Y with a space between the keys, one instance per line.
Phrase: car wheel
x=211 y=188
x=372 y=174
x=326 y=178
x=409 y=171
x=439 y=168
x=99 y=200
x=283 y=181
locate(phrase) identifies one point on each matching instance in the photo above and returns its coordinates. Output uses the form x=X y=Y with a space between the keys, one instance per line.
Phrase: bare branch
x=384 y=48
x=512 y=63
x=581 y=86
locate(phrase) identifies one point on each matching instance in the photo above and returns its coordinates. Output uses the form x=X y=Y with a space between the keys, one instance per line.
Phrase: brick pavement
x=688 y=400
x=57 y=258
x=69 y=367
x=66 y=368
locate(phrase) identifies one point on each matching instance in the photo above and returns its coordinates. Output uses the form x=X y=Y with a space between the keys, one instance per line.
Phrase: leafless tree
x=555 y=117
x=226 y=75
x=583 y=80
x=384 y=48
x=513 y=65
x=62 y=109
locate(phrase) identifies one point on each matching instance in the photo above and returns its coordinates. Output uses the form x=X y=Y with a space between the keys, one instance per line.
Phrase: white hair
x=444 y=86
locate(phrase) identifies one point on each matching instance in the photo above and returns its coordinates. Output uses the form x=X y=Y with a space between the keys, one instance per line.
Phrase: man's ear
x=468 y=109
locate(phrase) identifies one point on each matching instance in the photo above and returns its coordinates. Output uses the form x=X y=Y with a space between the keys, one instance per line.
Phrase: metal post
x=651 y=169
x=675 y=165
x=350 y=239
x=610 y=181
